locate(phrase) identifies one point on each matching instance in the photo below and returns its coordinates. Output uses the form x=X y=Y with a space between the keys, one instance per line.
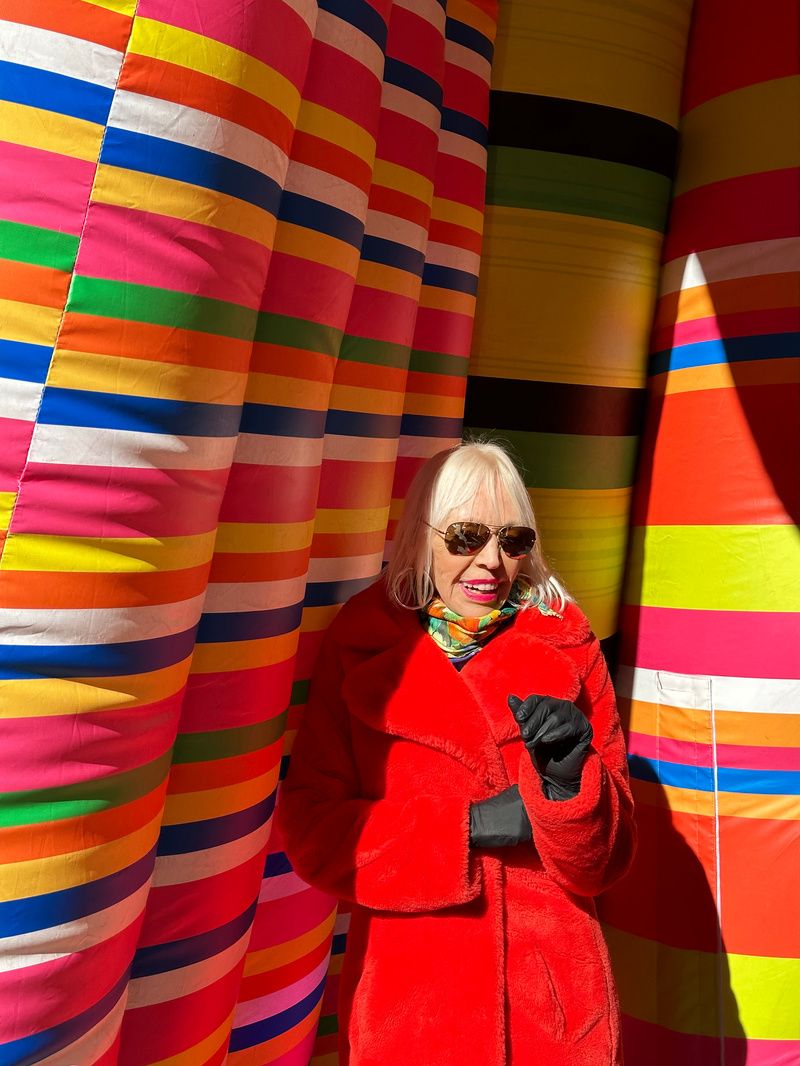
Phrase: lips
x=480 y=591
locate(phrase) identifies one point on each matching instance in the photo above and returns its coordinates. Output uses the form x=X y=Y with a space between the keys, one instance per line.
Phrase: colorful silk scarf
x=459 y=637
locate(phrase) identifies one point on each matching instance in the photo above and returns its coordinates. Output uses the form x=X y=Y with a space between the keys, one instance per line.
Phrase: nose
x=489 y=555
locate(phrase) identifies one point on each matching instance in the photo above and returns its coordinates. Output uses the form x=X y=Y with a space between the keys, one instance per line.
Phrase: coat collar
x=402 y=684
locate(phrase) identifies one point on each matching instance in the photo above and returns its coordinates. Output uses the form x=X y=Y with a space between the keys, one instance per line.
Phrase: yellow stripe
x=617 y=54
x=710 y=568
x=140 y=377
x=727 y=804
x=177 y=199
x=122 y=7
x=362 y=520
x=50 y=132
x=458 y=214
x=571 y=263
x=6 y=507
x=591 y=507
x=438 y=406
x=763 y=989
x=372 y=401
x=720 y=376
x=249 y=537
x=317 y=619
x=271 y=958
x=41 y=697
x=225 y=657
x=204 y=1050
x=95 y=555
x=288 y=392
x=319 y=121
x=747 y=131
x=402 y=179
x=388 y=279
x=29 y=323
x=172 y=44
x=55 y=872
x=186 y=807
x=316 y=247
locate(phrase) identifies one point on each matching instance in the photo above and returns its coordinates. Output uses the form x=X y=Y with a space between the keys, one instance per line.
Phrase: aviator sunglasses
x=468 y=538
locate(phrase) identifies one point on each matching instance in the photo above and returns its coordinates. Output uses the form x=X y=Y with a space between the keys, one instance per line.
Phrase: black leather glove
x=557 y=735
x=500 y=821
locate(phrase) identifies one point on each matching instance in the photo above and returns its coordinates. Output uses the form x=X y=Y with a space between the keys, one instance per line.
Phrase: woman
x=460 y=777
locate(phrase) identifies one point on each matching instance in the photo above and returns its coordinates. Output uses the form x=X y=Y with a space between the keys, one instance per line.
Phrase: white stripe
x=87 y=446
x=452 y=256
x=254 y=595
x=326 y=188
x=197 y=865
x=404 y=102
x=254 y=1010
x=424 y=447
x=100 y=625
x=462 y=148
x=735 y=261
x=197 y=129
x=345 y=37
x=345 y=569
x=183 y=981
x=266 y=450
x=20 y=399
x=361 y=449
x=393 y=228
x=59 y=53
x=281 y=886
x=91 y=1045
x=342 y=924
x=47 y=945
x=305 y=9
x=468 y=59
x=746 y=694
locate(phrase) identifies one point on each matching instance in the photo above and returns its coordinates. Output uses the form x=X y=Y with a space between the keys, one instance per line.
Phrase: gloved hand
x=557 y=735
x=499 y=821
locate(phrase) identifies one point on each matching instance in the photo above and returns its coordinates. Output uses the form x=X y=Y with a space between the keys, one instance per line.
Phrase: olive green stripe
x=227 y=743
x=82 y=797
x=40 y=247
x=454 y=366
x=299 y=694
x=297 y=333
x=577 y=185
x=378 y=353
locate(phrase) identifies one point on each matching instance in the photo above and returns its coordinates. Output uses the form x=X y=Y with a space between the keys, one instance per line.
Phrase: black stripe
x=610 y=649
x=574 y=127
x=553 y=407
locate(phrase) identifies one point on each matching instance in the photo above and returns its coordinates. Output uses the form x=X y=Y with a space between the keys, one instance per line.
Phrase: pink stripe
x=283 y=998
x=754 y=757
x=15 y=433
x=682 y=751
x=62 y=750
x=386 y=316
x=270 y=493
x=298 y=1056
x=690 y=753
x=290 y=918
x=93 y=501
x=645 y=1042
x=25 y=172
x=443 y=331
x=169 y=253
x=723 y=643
x=238 y=698
x=743 y=324
x=302 y=289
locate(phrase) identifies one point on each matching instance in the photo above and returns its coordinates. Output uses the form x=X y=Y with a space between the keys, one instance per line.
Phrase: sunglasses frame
x=496 y=531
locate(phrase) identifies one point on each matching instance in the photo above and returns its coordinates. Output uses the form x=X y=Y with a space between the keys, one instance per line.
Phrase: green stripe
x=161 y=307
x=328 y=1025
x=454 y=366
x=570 y=461
x=227 y=743
x=378 y=353
x=299 y=693
x=575 y=185
x=297 y=333
x=83 y=797
x=42 y=247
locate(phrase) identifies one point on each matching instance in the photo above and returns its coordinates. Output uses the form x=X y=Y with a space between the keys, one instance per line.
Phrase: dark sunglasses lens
x=466 y=538
x=517 y=541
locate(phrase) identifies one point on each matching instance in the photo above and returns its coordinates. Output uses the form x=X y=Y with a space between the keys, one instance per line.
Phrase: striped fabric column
x=581 y=151
x=706 y=931
x=107 y=555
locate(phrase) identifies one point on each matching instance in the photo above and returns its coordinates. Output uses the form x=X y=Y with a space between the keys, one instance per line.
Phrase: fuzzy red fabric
x=459 y=956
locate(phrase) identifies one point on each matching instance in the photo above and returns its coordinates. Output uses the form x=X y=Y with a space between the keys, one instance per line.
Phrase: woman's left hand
x=557 y=735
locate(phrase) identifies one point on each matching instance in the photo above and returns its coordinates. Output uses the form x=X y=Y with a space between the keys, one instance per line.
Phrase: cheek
x=447 y=568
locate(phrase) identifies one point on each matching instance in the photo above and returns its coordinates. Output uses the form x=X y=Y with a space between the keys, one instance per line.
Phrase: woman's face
x=473 y=585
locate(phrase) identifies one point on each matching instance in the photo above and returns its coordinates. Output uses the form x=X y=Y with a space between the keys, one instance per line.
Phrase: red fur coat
x=457 y=956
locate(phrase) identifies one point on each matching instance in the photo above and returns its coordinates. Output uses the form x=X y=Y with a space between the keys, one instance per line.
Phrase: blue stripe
x=248 y=625
x=461 y=33
x=450 y=278
x=701 y=778
x=379 y=250
x=32 y=661
x=326 y=593
x=465 y=125
x=143 y=414
x=316 y=215
x=277 y=863
x=24 y=362
x=28 y=1050
x=258 y=1032
x=18 y=916
x=282 y=421
x=414 y=80
x=167 y=159
x=160 y=958
x=55 y=92
x=430 y=426
x=211 y=832
x=360 y=14
x=338 y=943
x=730 y=350
x=362 y=424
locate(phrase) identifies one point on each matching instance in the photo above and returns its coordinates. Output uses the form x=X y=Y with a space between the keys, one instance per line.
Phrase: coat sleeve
x=586 y=843
x=408 y=854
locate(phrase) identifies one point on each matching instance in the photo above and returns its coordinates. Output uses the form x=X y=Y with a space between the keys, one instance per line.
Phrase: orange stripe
x=369 y=376
x=298 y=363
x=342 y=545
x=87 y=22
x=435 y=384
x=31 y=283
x=458 y=236
x=41 y=589
x=759 y=293
x=196 y=777
x=231 y=567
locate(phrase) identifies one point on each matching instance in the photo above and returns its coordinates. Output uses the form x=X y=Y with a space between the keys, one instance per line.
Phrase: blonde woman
x=460 y=777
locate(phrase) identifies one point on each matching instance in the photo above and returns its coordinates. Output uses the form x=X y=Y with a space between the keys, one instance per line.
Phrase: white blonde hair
x=449 y=483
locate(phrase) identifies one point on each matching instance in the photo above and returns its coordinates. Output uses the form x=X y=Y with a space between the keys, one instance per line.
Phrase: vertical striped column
x=581 y=151
x=706 y=932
